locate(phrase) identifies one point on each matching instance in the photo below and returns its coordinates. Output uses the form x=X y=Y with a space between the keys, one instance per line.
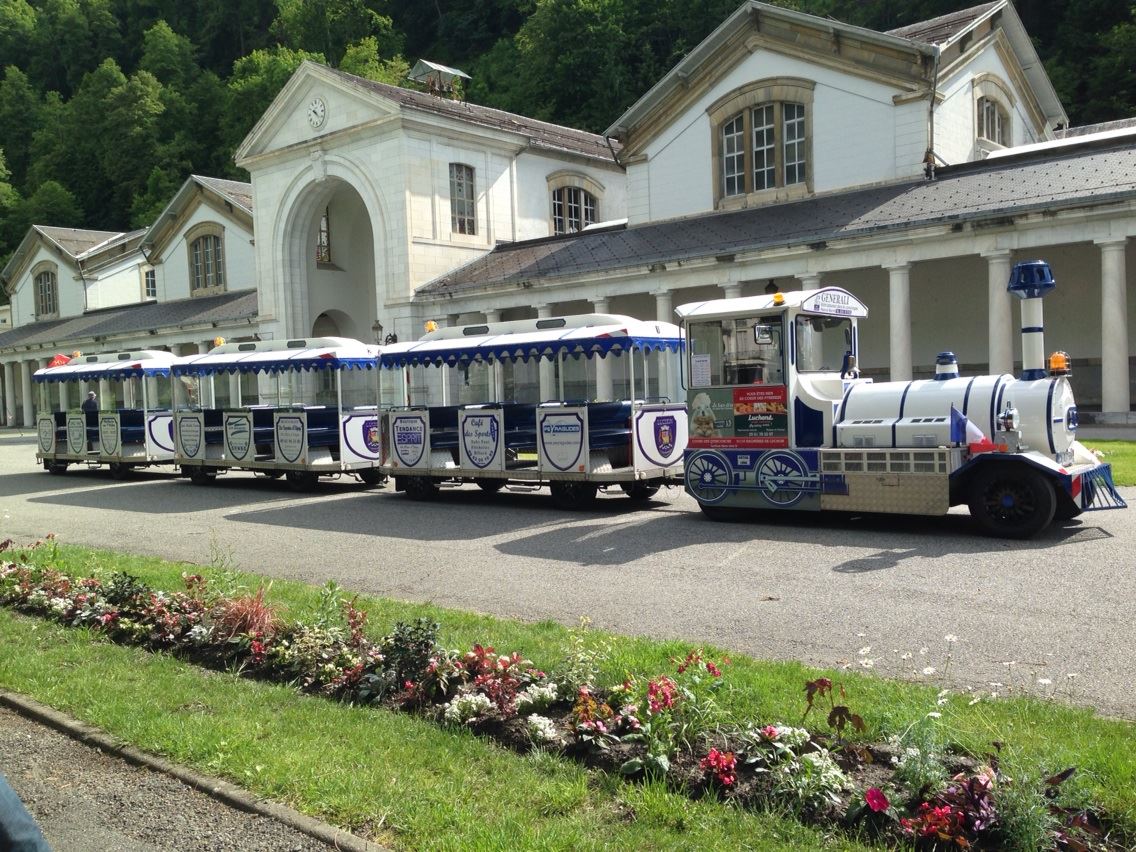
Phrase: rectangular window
x=794 y=123
x=323 y=240
x=764 y=148
x=463 y=201
x=733 y=156
x=151 y=289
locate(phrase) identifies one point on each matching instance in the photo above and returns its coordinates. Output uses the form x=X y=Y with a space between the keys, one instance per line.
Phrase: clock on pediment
x=317 y=112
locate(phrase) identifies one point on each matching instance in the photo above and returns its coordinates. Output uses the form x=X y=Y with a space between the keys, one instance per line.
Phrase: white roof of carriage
x=138 y=363
x=826 y=300
x=343 y=354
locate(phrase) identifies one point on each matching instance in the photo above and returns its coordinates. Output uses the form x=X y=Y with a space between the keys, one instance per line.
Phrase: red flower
x=876 y=799
x=661 y=694
x=722 y=765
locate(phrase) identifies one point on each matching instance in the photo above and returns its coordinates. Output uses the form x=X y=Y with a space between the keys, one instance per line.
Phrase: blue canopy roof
x=586 y=341
x=279 y=361
x=149 y=363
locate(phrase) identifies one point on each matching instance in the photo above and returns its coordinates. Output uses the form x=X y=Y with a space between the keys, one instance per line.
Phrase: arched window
x=463 y=200
x=763 y=140
x=573 y=209
x=574 y=201
x=206 y=260
x=46 y=295
x=993 y=122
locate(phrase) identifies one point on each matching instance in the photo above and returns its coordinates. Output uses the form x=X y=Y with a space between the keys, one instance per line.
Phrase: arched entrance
x=330 y=252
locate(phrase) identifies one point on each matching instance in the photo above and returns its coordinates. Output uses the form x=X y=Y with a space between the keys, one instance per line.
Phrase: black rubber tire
x=490 y=486
x=119 y=470
x=421 y=488
x=1067 y=507
x=272 y=474
x=55 y=468
x=201 y=476
x=1012 y=501
x=721 y=514
x=573 y=496
x=372 y=476
x=302 y=480
x=640 y=492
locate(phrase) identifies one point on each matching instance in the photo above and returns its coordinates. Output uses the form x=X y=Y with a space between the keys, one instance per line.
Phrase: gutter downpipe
x=930 y=157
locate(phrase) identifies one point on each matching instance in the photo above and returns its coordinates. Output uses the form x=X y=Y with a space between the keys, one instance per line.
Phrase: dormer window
x=574 y=201
x=46 y=295
x=993 y=122
x=206 y=250
x=762 y=143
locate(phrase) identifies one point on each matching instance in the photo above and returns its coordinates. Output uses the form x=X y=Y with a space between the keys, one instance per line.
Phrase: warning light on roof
x=778 y=298
x=1059 y=364
x=431 y=326
x=218 y=341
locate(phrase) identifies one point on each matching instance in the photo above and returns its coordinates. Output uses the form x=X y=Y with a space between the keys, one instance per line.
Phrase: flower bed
x=910 y=790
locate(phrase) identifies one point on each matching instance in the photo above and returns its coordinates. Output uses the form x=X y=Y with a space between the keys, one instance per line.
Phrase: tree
x=168 y=56
x=20 y=108
x=18 y=23
x=328 y=26
x=362 y=59
x=71 y=38
x=51 y=204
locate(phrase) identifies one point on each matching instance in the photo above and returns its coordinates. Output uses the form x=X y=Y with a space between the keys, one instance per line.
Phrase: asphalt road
x=1051 y=616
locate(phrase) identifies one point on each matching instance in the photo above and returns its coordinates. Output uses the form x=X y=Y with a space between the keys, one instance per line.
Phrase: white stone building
x=913 y=167
x=177 y=285
x=788 y=150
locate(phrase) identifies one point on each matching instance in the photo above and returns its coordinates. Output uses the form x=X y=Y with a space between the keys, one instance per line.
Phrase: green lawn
x=410 y=784
x=1121 y=455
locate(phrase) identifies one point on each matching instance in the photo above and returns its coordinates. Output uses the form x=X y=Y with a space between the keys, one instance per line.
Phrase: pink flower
x=876 y=799
x=769 y=732
x=722 y=765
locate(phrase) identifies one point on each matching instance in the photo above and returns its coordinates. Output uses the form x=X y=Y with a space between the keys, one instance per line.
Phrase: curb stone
x=223 y=791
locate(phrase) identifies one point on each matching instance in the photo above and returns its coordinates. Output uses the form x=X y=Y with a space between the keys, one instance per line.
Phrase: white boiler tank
x=917 y=414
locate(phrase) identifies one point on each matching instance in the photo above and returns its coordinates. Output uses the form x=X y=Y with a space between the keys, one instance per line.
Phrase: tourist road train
x=753 y=403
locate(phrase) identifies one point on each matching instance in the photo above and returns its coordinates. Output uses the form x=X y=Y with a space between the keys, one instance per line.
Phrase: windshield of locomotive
x=822 y=343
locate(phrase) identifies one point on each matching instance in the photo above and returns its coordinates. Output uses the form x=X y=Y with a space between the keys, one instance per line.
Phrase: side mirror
x=763 y=335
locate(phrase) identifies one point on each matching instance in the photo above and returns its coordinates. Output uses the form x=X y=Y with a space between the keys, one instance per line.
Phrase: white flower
x=466 y=706
x=1044 y=681
x=537 y=697
x=867 y=663
x=867 y=649
x=929 y=670
x=950 y=637
x=923 y=650
x=542 y=730
x=975 y=700
x=906 y=656
x=934 y=715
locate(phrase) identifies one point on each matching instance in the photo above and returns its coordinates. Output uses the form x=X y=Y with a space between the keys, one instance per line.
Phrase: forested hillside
x=107 y=105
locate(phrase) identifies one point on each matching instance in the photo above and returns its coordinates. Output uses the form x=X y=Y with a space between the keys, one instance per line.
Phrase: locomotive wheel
x=201 y=476
x=573 y=495
x=302 y=480
x=490 y=486
x=1012 y=501
x=421 y=488
x=1067 y=507
x=640 y=492
x=372 y=477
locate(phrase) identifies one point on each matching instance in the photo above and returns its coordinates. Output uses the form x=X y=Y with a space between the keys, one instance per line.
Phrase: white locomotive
x=780 y=419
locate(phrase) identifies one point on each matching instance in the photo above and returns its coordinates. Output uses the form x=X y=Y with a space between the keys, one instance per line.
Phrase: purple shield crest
x=665 y=429
x=371 y=438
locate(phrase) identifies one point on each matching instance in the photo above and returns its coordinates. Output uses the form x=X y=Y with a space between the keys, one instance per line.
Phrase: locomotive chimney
x=1030 y=281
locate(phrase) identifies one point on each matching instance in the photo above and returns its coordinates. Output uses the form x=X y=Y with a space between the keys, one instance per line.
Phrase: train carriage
x=301 y=409
x=574 y=403
x=132 y=426
x=781 y=419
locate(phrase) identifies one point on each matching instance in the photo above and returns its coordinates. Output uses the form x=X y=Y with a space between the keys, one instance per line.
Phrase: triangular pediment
x=759 y=28
x=224 y=201
x=316 y=103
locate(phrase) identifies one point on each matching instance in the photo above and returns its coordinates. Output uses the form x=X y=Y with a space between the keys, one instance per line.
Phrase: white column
x=1000 y=334
x=548 y=388
x=732 y=290
x=668 y=381
x=26 y=391
x=493 y=315
x=1115 y=395
x=899 y=291
x=9 y=396
x=605 y=389
x=63 y=395
x=809 y=281
x=234 y=389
